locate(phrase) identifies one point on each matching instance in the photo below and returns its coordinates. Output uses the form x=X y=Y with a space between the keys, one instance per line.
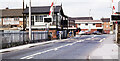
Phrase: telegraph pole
x=30 y=38
x=116 y=31
x=23 y=18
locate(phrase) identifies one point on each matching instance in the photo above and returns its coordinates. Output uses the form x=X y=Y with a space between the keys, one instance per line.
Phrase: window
x=99 y=25
x=16 y=19
x=32 y=20
x=107 y=26
x=0 y=20
x=40 y=18
x=93 y=24
x=86 y=24
x=37 y=18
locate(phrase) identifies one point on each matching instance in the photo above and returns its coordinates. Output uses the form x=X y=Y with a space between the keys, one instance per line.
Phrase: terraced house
x=11 y=19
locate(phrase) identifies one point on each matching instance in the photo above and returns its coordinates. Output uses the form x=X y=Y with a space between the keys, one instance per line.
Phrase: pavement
x=107 y=50
x=27 y=46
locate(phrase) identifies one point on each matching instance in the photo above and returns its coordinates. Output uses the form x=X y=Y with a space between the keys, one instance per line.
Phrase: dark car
x=97 y=33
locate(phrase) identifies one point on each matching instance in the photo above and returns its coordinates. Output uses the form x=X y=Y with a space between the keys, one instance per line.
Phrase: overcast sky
x=72 y=8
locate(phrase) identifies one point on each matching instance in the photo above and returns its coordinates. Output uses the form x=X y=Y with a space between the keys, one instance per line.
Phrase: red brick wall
x=107 y=31
x=92 y=30
x=84 y=29
x=98 y=25
x=53 y=33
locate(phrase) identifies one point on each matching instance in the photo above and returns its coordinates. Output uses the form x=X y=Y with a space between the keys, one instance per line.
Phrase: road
x=73 y=48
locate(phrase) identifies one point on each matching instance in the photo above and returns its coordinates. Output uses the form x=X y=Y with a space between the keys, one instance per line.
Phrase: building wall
x=21 y=24
x=36 y=23
x=12 y=21
x=91 y=26
x=106 y=27
x=0 y=21
x=52 y=31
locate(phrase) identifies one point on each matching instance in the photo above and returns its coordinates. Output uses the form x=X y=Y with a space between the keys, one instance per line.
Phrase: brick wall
x=92 y=30
x=53 y=33
x=84 y=29
x=98 y=25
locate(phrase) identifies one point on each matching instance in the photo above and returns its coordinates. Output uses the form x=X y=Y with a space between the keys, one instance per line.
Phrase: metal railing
x=10 y=39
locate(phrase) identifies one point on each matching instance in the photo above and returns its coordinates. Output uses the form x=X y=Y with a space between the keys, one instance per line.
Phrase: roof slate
x=41 y=10
x=105 y=19
x=81 y=18
x=11 y=12
x=88 y=21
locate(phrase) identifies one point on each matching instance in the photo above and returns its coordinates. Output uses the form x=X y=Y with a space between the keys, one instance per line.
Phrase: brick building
x=11 y=18
x=59 y=22
x=106 y=25
x=90 y=25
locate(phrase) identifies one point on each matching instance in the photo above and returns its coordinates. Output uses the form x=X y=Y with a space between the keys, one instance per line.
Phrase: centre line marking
x=55 y=49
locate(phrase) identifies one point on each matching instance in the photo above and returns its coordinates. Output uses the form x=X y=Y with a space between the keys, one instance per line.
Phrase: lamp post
x=30 y=38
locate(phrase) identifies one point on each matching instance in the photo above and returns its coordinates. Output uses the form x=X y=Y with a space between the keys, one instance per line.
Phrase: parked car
x=97 y=33
x=81 y=32
x=87 y=32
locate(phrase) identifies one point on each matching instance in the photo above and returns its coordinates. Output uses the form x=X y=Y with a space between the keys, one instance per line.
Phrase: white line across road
x=102 y=40
x=54 y=49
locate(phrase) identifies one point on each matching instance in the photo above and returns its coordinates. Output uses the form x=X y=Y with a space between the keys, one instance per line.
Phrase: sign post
x=117 y=18
x=116 y=31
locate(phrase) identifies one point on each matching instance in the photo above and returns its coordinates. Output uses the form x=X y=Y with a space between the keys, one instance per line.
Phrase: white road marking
x=29 y=57
x=55 y=49
x=102 y=40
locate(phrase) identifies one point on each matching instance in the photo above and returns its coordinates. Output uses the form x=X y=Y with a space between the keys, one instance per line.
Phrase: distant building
x=11 y=18
x=90 y=25
x=59 y=23
x=72 y=20
x=81 y=18
x=71 y=24
x=119 y=6
x=106 y=25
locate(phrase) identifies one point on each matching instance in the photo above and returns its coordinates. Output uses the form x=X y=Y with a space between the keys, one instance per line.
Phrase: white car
x=81 y=32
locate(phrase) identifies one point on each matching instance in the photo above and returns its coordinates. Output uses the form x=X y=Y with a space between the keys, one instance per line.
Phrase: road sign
x=47 y=19
x=115 y=17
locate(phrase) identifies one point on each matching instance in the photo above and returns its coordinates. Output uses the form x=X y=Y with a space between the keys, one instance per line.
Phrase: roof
x=88 y=21
x=81 y=18
x=105 y=19
x=11 y=12
x=117 y=12
x=41 y=10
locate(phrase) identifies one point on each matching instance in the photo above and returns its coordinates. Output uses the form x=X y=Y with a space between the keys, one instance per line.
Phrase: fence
x=13 y=38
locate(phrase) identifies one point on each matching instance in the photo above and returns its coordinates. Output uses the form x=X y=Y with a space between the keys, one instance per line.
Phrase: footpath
x=107 y=50
x=28 y=46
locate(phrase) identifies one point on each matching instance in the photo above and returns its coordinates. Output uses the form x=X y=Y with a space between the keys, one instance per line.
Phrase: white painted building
x=91 y=25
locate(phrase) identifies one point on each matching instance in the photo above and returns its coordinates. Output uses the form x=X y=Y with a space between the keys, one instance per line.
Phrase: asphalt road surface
x=73 y=48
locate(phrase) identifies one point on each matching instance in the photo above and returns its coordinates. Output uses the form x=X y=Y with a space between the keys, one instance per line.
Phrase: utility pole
x=23 y=18
x=116 y=31
x=30 y=38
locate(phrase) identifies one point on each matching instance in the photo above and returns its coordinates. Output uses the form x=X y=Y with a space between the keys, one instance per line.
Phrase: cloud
x=99 y=8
